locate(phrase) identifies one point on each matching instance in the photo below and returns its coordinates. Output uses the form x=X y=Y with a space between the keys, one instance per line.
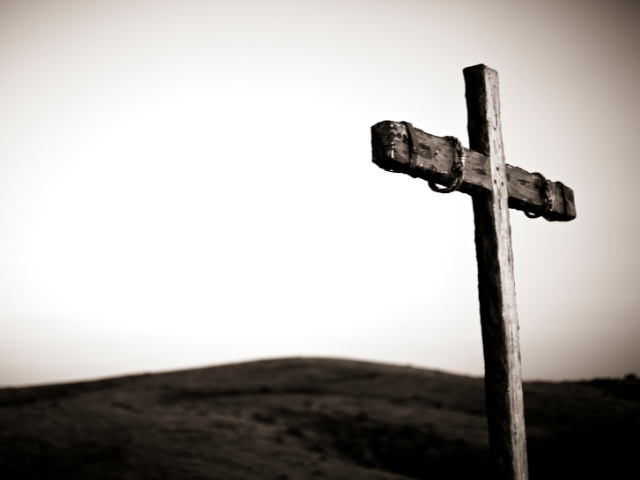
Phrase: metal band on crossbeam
x=458 y=168
x=413 y=145
x=458 y=160
x=547 y=197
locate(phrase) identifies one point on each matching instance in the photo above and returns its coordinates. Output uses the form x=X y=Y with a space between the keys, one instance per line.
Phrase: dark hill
x=307 y=418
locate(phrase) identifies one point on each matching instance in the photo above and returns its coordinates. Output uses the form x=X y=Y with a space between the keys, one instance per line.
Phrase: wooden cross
x=494 y=187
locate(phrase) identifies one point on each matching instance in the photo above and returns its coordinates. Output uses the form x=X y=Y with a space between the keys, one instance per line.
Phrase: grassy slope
x=306 y=418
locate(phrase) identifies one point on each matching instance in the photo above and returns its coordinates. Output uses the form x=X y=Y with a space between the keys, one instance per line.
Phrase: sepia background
x=187 y=183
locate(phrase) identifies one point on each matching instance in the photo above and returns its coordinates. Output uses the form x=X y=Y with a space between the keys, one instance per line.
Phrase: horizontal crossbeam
x=390 y=144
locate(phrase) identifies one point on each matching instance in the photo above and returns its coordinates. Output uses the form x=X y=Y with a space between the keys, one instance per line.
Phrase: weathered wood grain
x=496 y=283
x=390 y=145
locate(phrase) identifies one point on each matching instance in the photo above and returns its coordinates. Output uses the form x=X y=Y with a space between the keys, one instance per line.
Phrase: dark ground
x=307 y=419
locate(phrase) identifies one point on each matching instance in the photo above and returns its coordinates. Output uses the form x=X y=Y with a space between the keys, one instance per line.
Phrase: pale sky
x=189 y=183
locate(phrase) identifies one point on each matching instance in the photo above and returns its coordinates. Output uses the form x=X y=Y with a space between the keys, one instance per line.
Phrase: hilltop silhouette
x=301 y=418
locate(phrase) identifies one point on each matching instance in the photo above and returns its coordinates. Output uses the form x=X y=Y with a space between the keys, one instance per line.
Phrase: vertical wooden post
x=498 y=315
